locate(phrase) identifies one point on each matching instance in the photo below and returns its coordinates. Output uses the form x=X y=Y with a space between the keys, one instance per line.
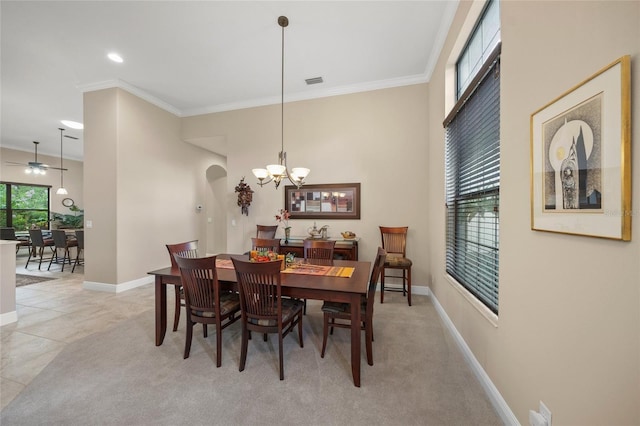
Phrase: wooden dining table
x=318 y=287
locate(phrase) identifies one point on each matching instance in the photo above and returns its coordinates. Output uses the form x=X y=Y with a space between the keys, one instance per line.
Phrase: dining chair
x=265 y=244
x=263 y=308
x=61 y=243
x=266 y=231
x=186 y=249
x=394 y=241
x=319 y=250
x=205 y=301
x=38 y=244
x=342 y=311
x=9 y=233
x=80 y=249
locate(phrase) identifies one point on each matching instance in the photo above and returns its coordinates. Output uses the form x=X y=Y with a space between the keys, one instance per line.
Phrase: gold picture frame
x=581 y=158
x=328 y=201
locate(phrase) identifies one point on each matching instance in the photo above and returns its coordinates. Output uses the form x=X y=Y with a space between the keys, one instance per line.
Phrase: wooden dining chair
x=186 y=249
x=38 y=245
x=61 y=243
x=266 y=231
x=80 y=250
x=263 y=308
x=265 y=244
x=394 y=241
x=342 y=311
x=320 y=250
x=205 y=301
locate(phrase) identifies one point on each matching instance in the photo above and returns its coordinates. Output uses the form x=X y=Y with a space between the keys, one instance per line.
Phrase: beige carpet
x=119 y=377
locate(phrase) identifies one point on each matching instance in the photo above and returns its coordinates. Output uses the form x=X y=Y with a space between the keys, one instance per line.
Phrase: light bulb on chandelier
x=277 y=172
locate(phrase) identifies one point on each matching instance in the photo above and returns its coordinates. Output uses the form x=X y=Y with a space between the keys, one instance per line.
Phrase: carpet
x=119 y=377
x=22 y=279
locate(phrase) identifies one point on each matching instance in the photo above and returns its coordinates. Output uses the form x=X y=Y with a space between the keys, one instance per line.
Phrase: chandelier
x=277 y=172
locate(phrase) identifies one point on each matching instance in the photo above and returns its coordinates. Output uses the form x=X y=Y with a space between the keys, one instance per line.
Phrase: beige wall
x=142 y=187
x=568 y=332
x=73 y=177
x=377 y=138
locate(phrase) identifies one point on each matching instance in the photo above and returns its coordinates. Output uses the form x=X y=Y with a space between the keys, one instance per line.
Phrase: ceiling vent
x=314 y=80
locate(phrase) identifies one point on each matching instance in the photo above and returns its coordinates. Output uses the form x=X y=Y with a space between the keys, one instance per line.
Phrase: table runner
x=302 y=268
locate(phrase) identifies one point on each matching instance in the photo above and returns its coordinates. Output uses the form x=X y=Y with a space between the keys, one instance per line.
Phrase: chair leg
x=205 y=332
x=325 y=333
x=409 y=286
x=76 y=263
x=300 y=332
x=333 y=321
x=29 y=258
x=304 y=308
x=368 y=333
x=187 y=344
x=176 y=316
x=243 y=350
x=42 y=254
x=382 y=286
x=280 y=351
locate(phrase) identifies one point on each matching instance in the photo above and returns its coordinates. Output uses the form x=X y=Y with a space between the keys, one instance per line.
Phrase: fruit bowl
x=348 y=235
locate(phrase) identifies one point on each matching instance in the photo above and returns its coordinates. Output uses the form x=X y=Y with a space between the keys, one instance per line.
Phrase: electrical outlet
x=545 y=412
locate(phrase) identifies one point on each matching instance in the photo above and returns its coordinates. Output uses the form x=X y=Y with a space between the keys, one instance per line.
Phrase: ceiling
x=193 y=57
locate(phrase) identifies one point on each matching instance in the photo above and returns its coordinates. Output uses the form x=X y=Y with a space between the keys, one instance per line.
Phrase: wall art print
x=581 y=158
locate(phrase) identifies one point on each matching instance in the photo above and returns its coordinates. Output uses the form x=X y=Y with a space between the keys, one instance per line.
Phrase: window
x=483 y=40
x=473 y=172
x=22 y=206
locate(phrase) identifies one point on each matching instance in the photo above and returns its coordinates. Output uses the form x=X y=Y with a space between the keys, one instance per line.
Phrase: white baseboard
x=498 y=402
x=116 y=288
x=8 y=318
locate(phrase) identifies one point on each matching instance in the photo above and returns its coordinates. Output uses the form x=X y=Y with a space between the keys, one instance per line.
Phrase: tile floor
x=54 y=313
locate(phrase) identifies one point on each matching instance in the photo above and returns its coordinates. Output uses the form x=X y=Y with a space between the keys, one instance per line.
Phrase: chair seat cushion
x=289 y=308
x=341 y=308
x=229 y=302
x=397 y=262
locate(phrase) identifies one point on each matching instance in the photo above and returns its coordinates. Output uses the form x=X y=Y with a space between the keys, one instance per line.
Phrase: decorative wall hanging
x=329 y=201
x=245 y=196
x=581 y=158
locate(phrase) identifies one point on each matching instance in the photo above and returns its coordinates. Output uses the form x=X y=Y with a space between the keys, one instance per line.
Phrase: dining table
x=340 y=287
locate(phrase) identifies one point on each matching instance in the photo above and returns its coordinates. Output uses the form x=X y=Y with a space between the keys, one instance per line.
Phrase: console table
x=344 y=249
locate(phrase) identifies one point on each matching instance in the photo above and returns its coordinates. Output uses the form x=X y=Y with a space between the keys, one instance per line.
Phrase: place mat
x=330 y=271
x=224 y=263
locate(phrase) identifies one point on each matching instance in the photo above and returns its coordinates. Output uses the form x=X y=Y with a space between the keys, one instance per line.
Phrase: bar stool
x=394 y=242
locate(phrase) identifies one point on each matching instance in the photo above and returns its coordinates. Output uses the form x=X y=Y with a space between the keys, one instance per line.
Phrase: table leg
x=161 y=310
x=355 y=339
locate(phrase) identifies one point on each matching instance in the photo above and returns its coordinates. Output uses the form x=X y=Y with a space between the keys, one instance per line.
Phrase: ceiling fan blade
x=12 y=163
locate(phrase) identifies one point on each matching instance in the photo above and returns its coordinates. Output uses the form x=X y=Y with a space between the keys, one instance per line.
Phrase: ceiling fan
x=35 y=166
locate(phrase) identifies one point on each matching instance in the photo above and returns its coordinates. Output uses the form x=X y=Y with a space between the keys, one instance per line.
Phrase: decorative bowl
x=348 y=235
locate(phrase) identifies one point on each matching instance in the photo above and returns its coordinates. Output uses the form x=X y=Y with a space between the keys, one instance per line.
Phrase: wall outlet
x=545 y=412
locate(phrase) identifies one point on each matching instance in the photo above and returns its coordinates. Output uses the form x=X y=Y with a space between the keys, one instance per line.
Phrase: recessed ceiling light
x=115 y=57
x=72 y=124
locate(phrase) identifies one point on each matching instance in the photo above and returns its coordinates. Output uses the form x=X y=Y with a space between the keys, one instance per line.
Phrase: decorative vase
x=287 y=232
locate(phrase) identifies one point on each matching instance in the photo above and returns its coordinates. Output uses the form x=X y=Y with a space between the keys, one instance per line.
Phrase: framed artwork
x=581 y=158
x=329 y=201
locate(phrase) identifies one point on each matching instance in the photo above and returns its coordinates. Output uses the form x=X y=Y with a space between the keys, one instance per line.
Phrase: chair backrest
x=36 y=237
x=8 y=234
x=59 y=237
x=80 y=238
x=259 y=285
x=319 y=249
x=200 y=283
x=186 y=249
x=394 y=239
x=375 y=275
x=266 y=231
x=261 y=244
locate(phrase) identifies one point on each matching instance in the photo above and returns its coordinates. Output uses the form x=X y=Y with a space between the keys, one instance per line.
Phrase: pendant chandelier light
x=61 y=190
x=280 y=171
